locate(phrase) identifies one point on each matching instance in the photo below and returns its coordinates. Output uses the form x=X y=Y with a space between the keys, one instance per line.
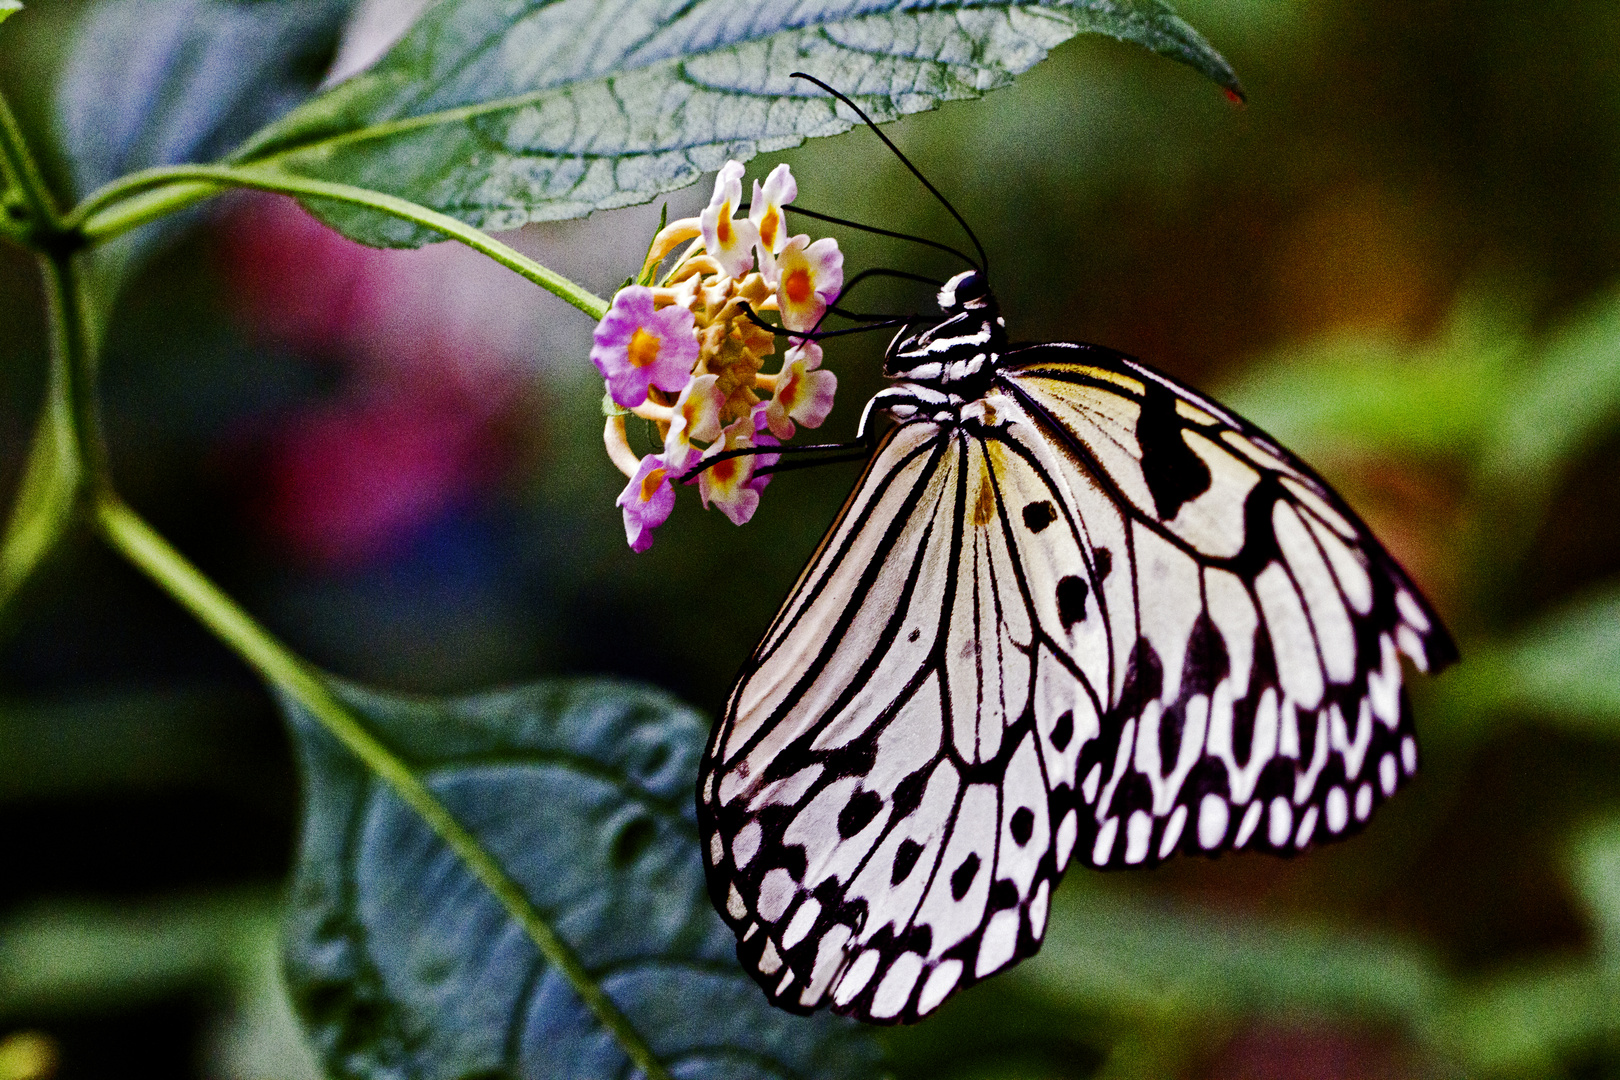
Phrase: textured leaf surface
x=500 y=113
x=403 y=965
x=185 y=80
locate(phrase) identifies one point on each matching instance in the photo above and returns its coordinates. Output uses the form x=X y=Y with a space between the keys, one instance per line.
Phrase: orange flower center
x=796 y=285
x=722 y=228
x=643 y=348
x=650 y=485
x=790 y=388
x=767 y=228
x=723 y=471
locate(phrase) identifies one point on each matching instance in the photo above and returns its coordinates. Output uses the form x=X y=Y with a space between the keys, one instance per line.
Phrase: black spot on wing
x=1038 y=515
x=1003 y=895
x=962 y=877
x=1174 y=474
x=1022 y=825
x=1071 y=600
x=1144 y=681
x=1207 y=662
x=905 y=860
x=1103 y=560
x=1063 y=731
x=858 y=813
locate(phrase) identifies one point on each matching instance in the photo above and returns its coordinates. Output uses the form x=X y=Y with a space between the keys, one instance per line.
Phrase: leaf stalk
x=152 y=193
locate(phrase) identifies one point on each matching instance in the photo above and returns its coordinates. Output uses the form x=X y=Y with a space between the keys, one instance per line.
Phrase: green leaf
x=1443 y=397
x=1110 y=954
x=404 y=965
x=501 y=113
x=185 y=80
x=1562 y=403
x=1566 y=666
x=9 y=8
x=1596 y=873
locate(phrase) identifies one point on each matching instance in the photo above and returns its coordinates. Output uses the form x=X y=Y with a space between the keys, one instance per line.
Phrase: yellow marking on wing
x=1189 y=411
x=1119 y=379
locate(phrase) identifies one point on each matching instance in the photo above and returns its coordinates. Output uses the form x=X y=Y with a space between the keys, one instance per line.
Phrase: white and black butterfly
x=1072 y=608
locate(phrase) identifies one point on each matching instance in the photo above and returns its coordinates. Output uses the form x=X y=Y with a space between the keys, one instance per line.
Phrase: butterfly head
x=959 y=348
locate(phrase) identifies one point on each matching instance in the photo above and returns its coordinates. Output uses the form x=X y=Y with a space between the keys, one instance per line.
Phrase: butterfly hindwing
x=900 y=836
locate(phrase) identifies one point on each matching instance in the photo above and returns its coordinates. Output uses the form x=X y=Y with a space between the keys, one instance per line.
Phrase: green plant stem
x=74 y=341
x=137 y=541
x=48 y=494
x=145 y=196
x=24 y=171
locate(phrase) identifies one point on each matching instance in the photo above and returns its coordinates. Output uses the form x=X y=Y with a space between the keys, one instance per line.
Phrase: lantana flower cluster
x=681 y=352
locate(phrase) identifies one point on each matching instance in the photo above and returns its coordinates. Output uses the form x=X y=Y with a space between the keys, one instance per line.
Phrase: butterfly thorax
x=958 y=352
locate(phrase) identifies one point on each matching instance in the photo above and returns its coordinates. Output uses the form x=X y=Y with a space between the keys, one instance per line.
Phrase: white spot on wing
x=1172 y=831
x=998 y=944
x=1280 y=822
x=1338 y=809
x=941 y=981
x=1251 y=818
x=1103 y=849
x=891 y=994
x=775 y=892
x=856 y=977
x=746 y=844
x=1334 y=636
x=1138 y=831
x=1213 y=815
x=802 y=921
x=1290 y=633
x=1307 y=827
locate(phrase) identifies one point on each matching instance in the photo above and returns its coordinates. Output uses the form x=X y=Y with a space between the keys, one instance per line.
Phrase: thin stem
x=48 y=494
x=24 y=171
x=74 y=338
x=140 y=544
x=152 y=193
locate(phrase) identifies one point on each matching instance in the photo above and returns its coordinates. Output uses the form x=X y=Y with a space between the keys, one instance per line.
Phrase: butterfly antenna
x=983 y=265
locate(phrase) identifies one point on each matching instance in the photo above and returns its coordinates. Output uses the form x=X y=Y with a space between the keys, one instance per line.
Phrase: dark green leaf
x=503 y=113
x=404 y=965
x=185 y=80
x=9 y=8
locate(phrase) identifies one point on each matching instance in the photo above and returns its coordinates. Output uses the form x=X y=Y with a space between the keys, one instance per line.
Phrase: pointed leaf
x=503 y=113
x=404 y=965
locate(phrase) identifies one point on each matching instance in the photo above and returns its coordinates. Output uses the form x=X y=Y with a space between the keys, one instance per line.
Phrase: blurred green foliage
x=1402 y=259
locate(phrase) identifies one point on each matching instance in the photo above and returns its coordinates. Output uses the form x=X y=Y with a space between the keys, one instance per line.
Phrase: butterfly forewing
x=1089 y=613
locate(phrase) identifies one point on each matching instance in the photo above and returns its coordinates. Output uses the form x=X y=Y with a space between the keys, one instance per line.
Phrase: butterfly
x=1073 y=609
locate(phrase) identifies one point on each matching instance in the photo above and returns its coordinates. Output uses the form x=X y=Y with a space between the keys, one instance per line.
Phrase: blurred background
x=1402 y=257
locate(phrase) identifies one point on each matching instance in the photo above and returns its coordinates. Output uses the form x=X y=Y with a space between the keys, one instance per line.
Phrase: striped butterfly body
x=1072 y=609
